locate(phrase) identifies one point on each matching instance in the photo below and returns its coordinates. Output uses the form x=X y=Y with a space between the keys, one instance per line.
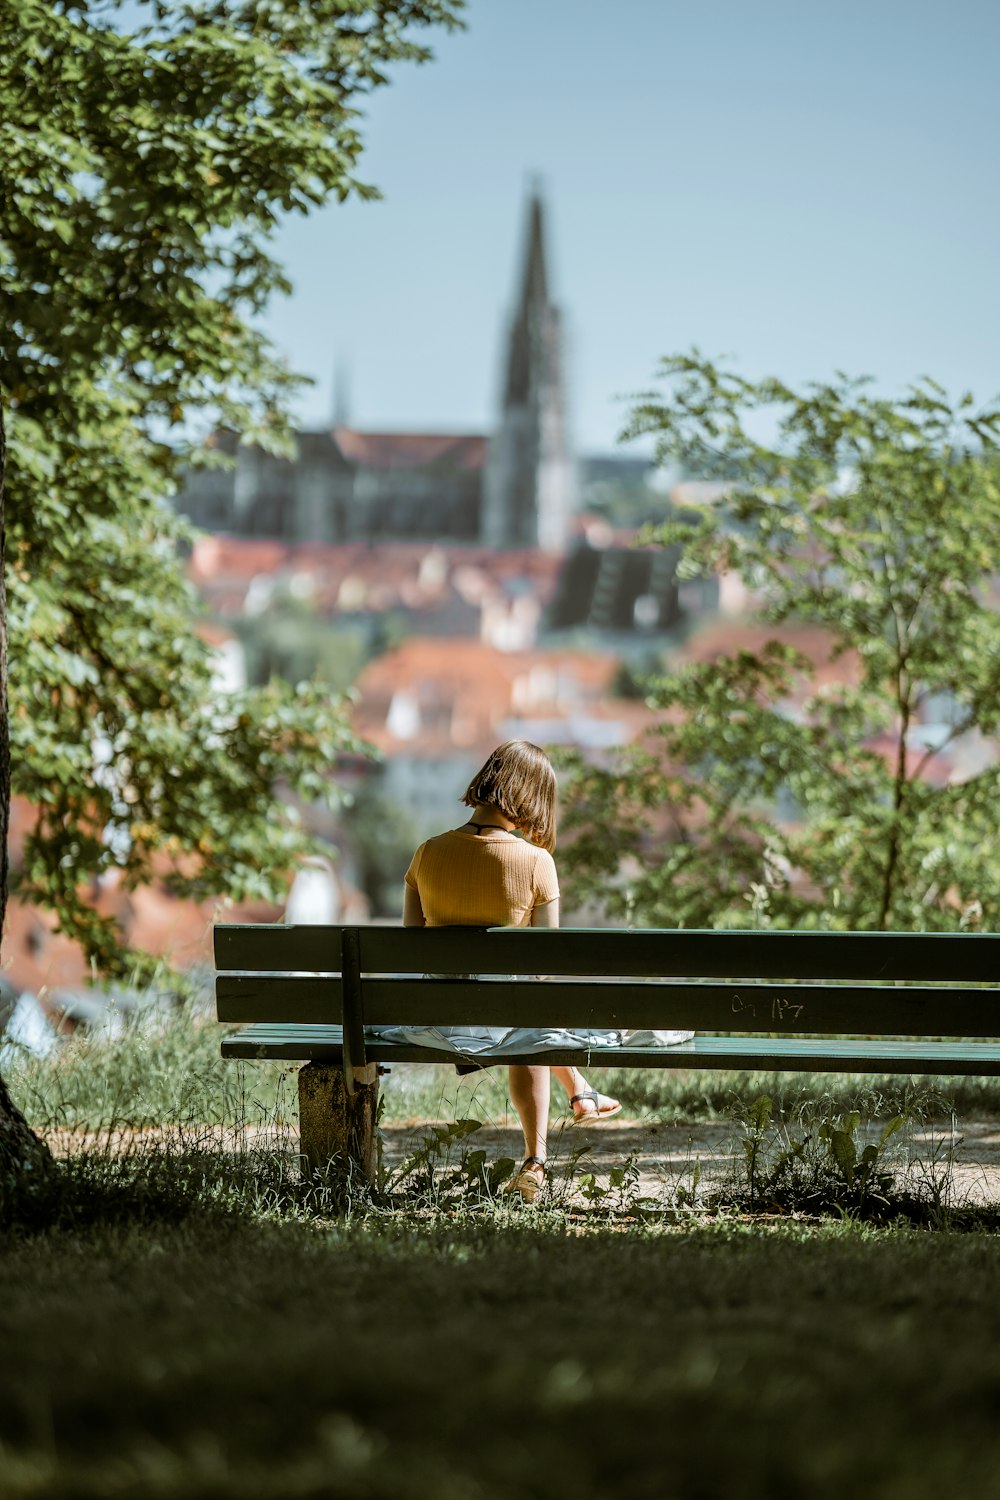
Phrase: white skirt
x=499 y=1042
x=507 y=1041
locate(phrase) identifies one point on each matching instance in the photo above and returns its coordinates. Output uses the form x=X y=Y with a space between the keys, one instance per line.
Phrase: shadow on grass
x=452 y=1357
x=168 y=1183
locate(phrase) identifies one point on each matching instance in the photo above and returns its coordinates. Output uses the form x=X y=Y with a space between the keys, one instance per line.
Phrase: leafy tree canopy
x=765 y=793
x=148 y=152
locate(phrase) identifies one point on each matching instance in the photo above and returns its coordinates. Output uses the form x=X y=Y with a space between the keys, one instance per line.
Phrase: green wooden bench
x=871 y=1002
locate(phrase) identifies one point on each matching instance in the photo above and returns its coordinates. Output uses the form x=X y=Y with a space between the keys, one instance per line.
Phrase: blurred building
x=421 y=588
x=513 y=488
x=610 y=585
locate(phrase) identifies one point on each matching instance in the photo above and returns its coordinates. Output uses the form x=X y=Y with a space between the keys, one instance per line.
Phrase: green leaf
x=844 y=1153
x=890 y=1129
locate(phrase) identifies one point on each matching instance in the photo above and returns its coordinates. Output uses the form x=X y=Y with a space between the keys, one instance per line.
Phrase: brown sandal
x=525 y=1184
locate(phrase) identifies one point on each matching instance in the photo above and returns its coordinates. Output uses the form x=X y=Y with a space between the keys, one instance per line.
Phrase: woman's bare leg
x=574 y=1083
x=529 y=1091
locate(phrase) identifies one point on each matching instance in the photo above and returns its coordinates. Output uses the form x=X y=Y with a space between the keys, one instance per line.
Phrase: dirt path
x=669 y=1156
x=665 y=1157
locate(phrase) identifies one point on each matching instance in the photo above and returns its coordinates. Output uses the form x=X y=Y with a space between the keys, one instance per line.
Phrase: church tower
x=529 y=489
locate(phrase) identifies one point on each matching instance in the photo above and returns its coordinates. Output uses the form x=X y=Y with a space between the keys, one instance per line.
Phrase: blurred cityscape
x=466 y=588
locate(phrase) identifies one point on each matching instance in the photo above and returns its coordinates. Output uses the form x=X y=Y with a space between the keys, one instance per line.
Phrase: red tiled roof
x=449 y=663
x=411 y=450
x=222 y=556
x=464 y=691
x=377 y=576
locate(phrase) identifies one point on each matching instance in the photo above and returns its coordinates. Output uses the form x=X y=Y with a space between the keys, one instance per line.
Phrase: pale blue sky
x=804 y=187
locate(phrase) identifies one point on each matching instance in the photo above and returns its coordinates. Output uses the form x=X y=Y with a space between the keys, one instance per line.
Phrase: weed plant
x=818 y=1159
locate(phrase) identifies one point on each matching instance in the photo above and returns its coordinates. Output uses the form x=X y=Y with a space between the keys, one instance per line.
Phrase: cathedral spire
x=535 y=285
x=531 y=309
x=529 y=481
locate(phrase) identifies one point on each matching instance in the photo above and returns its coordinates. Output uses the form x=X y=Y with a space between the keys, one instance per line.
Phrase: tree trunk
x=889 y=873
x=23 y=1157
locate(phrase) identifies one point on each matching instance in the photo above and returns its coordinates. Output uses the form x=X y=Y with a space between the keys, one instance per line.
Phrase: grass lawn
x=498 y=1355
x=184 y=1322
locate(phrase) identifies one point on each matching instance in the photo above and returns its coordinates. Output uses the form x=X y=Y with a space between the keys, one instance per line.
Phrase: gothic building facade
x=513 y=488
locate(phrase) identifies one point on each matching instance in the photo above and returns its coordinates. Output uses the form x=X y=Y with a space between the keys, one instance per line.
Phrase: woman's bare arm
x=413 y=912
x=546 y=915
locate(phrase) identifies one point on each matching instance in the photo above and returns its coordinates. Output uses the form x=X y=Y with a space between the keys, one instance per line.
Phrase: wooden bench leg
x=336 y=1124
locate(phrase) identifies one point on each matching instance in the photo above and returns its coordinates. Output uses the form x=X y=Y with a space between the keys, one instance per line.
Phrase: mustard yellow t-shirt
x=479 y=880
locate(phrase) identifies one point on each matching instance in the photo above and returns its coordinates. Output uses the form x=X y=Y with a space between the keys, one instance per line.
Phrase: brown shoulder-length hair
x=519 y=782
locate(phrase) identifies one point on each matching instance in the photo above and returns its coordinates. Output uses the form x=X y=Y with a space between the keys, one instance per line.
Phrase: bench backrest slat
x=969 y=958
x=307 y=999
x=883 y=956
x=860 y=1009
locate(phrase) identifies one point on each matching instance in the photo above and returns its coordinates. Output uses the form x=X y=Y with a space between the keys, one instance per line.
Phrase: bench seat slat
x=927 y=957
x=665 y=1005
x=751 y=1053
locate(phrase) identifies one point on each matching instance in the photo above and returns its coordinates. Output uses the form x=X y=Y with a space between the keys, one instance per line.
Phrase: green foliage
x=382 y=838
x=429 y=1176
x=622 y=1193
x=765 y=794
x=624 y=503
x=291 y=640
x=821 y=1160
x=148 y=156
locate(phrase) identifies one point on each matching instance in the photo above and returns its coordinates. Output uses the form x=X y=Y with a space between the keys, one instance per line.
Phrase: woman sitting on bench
x=484 y=875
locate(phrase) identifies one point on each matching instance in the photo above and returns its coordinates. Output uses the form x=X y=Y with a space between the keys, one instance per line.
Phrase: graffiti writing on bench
x=781 y=1009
